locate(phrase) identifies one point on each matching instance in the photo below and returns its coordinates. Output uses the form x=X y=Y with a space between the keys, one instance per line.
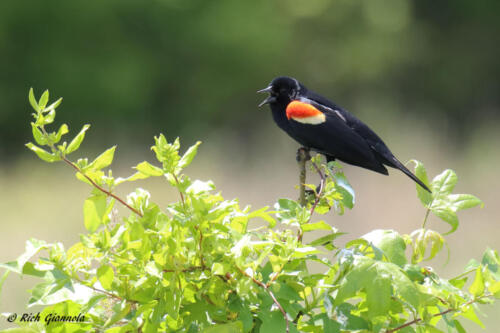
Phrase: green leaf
x=43 y=154
x=42 y=103
x=327 y=241
x=415 y=273
x=263 y=214
x=379 y=280
x=348 y=320
x=477 y=286
x=458 y=327
x=420 y=172
x=391 y=243
x=343 y=187
x=290 y=212
x=272 y=322
x=54 y=105
x=94 y=209
x=427 y=328
x=49 y=117
x=423 y=238
x=304 y=251
x=38 y=135
x=321 y=225
x=459 y=282
x=444 y=183
x=188 y=156
x=470 y=314
x=136 y=176
x=32 y=100
x=105 y=274
x=492 y=262
x=234 y=327
x=33 y=246
x=167 y=153
x=103 y=160
x=494 y=288
x=77 y=140
x=448 y=215
x=149 y=169
x=285 y=292
x=120 y=310
x=62 y=130
x=218 y=269
x=463 y=201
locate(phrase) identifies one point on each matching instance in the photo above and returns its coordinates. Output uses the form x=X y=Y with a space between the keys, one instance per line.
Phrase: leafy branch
x=271 y=294
x=108 y=193
x=442 y=313
x=45 y=115
x=200 y=263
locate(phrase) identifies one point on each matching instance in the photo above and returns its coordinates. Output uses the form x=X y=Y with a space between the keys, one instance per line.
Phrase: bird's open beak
x=269 y=99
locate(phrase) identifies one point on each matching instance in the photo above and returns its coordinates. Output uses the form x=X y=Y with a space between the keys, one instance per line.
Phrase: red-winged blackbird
x=321 y=125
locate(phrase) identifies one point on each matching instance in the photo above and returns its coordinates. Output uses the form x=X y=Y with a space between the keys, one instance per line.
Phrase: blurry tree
x=194 y=65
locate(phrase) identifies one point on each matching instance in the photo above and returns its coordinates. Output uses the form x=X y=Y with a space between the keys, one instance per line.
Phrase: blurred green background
x=425 y=75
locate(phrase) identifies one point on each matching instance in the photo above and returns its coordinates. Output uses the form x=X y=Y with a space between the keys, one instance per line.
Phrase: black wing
x=380 y=150
x=336 y=139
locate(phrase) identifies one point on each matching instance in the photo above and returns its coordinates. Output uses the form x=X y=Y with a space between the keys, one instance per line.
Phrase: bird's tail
x=397 y=164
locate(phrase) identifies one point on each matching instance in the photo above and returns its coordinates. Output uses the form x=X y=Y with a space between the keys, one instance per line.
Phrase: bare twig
x=302 y=157
x=108 y=193
x=185 y=270
x=107 y=293
x=275 y=276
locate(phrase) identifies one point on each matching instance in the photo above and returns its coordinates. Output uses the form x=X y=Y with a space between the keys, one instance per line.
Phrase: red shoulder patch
x=304 y=113
x=297 y=109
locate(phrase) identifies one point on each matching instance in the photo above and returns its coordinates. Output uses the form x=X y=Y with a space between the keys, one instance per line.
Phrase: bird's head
x=282 y=89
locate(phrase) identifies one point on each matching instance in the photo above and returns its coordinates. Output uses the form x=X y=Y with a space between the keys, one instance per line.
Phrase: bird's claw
x=303 y=154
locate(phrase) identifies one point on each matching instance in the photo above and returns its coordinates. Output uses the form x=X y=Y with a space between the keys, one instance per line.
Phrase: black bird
x=321 y=125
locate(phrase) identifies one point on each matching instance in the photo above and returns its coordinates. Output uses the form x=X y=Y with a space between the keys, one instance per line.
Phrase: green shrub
x=206 y=264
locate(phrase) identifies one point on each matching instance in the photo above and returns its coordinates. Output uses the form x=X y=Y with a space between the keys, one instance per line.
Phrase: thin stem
x=74 y=166
x=465 y=273
x=417 y=320
x=306 y=302
x=180 y=192
x=276 y=276
x=202 y=262
x=189 y=269
x=427 y=214
x=108 y=193
x=425 y=218
x=271 y=294
x=302 y=157
x=103 y=291
x=321 y=187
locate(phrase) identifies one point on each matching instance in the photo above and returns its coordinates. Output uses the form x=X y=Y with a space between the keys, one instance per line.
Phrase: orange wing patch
x=304 y=113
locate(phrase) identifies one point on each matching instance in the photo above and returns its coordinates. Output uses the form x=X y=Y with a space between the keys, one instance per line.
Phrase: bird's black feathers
x=339 y=136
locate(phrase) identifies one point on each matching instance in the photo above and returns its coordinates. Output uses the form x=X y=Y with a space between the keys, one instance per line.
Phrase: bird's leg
x=302 y=157
x=303 y=154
